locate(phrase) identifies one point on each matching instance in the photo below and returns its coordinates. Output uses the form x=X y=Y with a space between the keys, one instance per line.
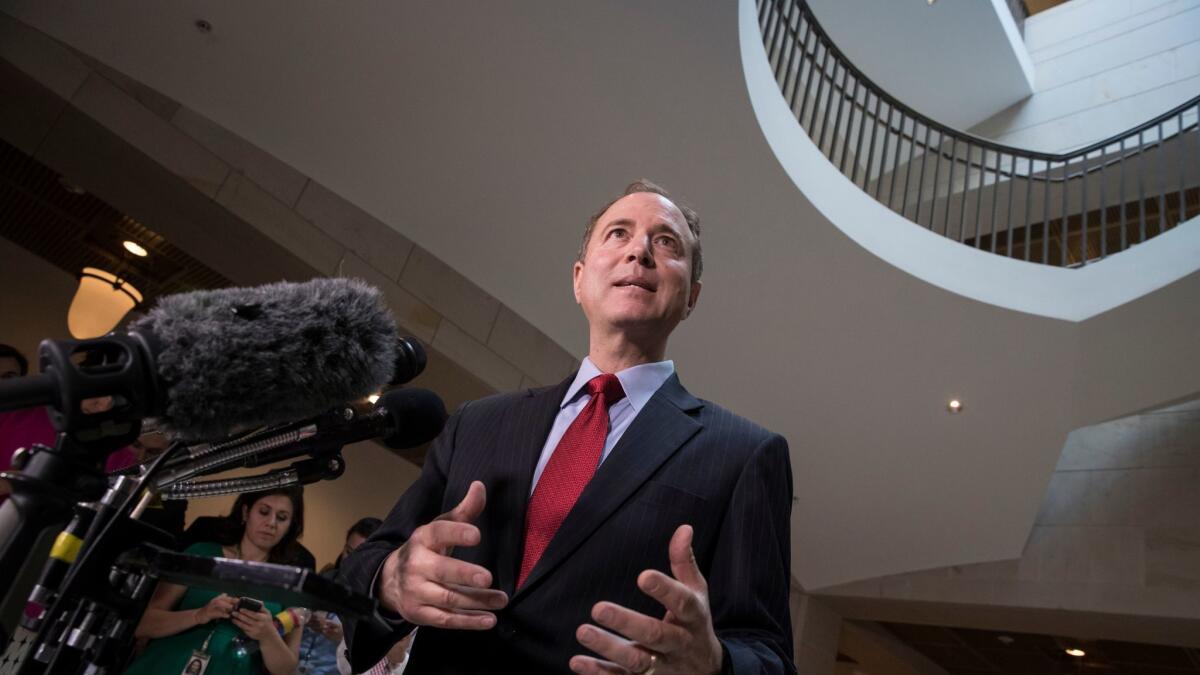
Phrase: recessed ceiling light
x=135 y=248
x=373 y=398
x=954 y=406
x=1076 y=652
x=203 y=26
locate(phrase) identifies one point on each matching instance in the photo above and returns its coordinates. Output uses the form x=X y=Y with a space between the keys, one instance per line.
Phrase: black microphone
x=401 y=418
x=410 y=360
x=207 y=363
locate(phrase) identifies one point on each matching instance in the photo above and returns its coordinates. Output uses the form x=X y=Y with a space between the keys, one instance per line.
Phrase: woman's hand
x=219 y=607
x=258 y=626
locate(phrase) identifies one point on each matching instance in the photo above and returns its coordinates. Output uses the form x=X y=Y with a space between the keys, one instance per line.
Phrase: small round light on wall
x=1076 y=652
x=373 y=398
x=135 y=248
x=954 y=406
x=203 y=26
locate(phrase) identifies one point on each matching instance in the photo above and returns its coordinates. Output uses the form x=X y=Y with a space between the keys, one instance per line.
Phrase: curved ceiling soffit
x=1053 y=292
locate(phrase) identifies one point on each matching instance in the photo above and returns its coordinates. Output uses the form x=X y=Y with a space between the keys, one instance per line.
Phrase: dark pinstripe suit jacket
x=682 y=460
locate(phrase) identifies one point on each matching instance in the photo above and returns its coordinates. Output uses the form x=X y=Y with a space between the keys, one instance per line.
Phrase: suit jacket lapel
x=532 y=423
x=659 y=429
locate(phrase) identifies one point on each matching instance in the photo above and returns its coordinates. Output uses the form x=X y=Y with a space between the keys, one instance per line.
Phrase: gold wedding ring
x=653 y=663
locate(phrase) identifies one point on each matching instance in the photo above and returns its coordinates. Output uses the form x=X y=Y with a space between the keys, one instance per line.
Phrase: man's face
x=637 y=269
x=9 y=368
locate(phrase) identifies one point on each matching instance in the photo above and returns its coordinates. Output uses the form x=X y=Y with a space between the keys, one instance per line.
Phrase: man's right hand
x=423 y=584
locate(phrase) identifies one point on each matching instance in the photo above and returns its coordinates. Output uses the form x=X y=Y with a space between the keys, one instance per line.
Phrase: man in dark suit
x=610 y=524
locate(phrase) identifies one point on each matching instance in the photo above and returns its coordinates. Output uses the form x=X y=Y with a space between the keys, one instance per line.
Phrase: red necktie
x=569 y=470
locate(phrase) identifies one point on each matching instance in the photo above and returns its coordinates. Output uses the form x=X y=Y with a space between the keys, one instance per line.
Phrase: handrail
x=797 y=47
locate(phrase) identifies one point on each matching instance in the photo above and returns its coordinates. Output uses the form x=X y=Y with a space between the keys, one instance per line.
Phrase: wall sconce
x=100 y=302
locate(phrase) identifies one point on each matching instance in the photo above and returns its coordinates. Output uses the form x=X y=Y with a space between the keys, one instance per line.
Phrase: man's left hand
x=683 y=641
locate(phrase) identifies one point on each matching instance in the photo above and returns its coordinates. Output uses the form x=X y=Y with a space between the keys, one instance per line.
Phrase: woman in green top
x=186 y=623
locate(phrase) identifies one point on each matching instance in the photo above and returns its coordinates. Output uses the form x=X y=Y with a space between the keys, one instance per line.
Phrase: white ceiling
x=956 y=61
x=488 y=133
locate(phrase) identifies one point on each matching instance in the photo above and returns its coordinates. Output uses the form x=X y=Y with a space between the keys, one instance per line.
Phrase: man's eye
x=667 y=241
x=618 y=233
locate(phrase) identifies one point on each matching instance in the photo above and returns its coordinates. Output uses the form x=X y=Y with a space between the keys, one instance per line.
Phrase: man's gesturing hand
x=423 y=584
x=683 y=641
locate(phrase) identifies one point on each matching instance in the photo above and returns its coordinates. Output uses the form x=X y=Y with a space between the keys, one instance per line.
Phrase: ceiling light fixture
x=1076 y=652
x=373 y=398
x=100 y=302
x=135 y=248
x=954 y=406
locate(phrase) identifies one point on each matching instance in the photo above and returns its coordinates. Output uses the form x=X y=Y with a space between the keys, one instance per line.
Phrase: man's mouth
x=637 y=283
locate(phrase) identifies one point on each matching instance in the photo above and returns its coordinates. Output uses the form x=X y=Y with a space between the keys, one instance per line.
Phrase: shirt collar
x=639 y=382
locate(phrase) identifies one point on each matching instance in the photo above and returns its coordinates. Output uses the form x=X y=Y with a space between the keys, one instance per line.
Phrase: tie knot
x=608 y=386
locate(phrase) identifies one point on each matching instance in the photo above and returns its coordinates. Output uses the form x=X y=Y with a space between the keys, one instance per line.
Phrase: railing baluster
x=1012 y=184
x=895 y=160
x=837 y=115
x=1066 y=227
x=979 y=197
x=809 y=77
x=1083 y=215
x=786 y=59
x=883 y=155
x=764 y=15
x=871 y=152
x=1162 y=179
x=812 y=123
x=1103 y=203
x=862 y=130
x=962 y=216
x=776 y=31
x=950 y=185
x=849 y=124
x=921 y=179
x=1028 y=204
x=1046 y=217
x=995 y=199
x=1141 y=186
x=801 y=65
x=937 y=169
x=1179 y=138
x=828 y=106
x=1121 y=200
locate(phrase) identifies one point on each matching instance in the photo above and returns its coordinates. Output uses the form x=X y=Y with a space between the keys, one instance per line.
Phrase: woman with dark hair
x=186 y=623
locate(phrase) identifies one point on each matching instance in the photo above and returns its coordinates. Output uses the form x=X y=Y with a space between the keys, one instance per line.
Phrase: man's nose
x=639 y=250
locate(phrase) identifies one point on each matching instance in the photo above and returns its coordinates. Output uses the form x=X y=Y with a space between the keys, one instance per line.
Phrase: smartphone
x=249 y=604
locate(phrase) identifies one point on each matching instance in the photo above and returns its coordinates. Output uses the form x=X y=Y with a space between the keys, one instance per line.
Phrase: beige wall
x=33 y=305
x=1115 y=551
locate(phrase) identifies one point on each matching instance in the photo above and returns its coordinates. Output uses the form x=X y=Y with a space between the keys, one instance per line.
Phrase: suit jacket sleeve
x=749 y=577
x=369 y=641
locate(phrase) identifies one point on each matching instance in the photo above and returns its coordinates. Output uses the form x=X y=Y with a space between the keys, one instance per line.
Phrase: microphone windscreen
x=246 y=357
x=415 y=416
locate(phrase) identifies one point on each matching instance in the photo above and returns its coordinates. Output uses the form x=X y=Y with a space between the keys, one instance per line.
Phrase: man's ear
x=576 y=271
x=693 y=297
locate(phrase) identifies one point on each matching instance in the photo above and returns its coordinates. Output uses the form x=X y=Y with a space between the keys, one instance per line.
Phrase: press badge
x=197 y=663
